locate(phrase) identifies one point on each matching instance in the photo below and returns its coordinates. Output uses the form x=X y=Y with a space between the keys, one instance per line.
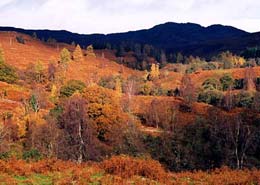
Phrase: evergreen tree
x=7 y=73
x=34 y=103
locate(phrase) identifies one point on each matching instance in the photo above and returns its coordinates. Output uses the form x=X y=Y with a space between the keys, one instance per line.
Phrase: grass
x=35 y=179
x=96 y=178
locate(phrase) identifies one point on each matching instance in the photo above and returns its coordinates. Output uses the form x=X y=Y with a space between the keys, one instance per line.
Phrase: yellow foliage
x=155 y=72
x=90 y=51
x=77 y=54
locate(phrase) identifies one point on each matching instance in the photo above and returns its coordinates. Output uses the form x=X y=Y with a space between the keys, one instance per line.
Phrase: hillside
x=72 y=114
x=188 y=38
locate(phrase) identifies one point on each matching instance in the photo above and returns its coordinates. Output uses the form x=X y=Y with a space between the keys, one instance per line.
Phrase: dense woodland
x=130 y=115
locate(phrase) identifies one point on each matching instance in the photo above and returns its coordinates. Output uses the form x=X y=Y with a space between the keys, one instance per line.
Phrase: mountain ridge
x=187 y=38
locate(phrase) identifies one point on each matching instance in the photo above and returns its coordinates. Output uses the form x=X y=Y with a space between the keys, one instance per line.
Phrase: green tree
x=7 y=73
x=211 y=84
x=226 y=82
x=213 y=97
x=34 y=103
x=71 y=87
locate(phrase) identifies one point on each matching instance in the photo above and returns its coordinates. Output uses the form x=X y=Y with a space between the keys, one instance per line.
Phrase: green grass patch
x=35 y=179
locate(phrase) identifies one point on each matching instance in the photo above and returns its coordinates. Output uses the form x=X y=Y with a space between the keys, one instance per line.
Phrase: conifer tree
x=77 y=54
x=90 y=51
x=2 y=58
x=118 y=86
x=155 y=71
x=65 y=56
x=39 y=71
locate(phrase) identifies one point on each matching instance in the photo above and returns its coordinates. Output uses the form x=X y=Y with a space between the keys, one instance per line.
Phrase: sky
x=111 y=16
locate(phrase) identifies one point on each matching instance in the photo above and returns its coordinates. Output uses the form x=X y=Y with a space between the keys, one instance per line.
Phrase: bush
x=211 y=84
x=212 y=97
x=244 y=99
x=226 y=81
x=20 y=39
x=71 y=87
x=209 y=66
x=7 y=73
x=185 y=108
x=239 y=83
x=5 y=155
x=32 y=154
x=127 y=167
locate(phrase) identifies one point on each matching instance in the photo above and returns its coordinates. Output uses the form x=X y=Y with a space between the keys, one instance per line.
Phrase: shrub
x=20 y=39
x=239 y=83
x=127 y=167
x=212 y=97
x=226 y=82
x=244 y=99
x=32 y=154
x=7 y=73
x=71 y=87
x=5 y=155
x=211 y=84
x=209 y=66
x=185 y=108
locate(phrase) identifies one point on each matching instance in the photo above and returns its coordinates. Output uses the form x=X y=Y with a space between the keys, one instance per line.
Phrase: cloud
x=106 y=16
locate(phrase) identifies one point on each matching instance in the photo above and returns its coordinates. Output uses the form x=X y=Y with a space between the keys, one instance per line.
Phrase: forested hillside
x=90 y=115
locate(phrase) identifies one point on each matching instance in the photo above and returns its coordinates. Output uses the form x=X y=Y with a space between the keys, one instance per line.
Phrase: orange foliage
x=119 y=170
x=128 y=167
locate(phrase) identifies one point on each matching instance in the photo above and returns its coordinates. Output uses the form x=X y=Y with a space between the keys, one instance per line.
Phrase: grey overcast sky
x=109 y=16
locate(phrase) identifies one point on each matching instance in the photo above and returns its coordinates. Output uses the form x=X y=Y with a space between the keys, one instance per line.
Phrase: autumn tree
x=118 y=86
x=78 y=130
x=51 y=71
x=77 y=54
x=90 y=51
x=105 y=111
x=130 y=89
x=228 y=100
x=65 y=57
x=241 y=135
x=2 y=58
x=8 y=132
x=155 y=72
x=39 y=72
x=250 y=79
x=188 y=90
x=35 y=73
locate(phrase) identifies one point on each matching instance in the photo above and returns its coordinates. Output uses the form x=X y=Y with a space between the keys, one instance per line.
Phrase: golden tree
x=77 y=54
x=118 y=86
x=65 y=57
x=155 y=72
x=104 y=110
x=90 y=51
x=2 y=58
